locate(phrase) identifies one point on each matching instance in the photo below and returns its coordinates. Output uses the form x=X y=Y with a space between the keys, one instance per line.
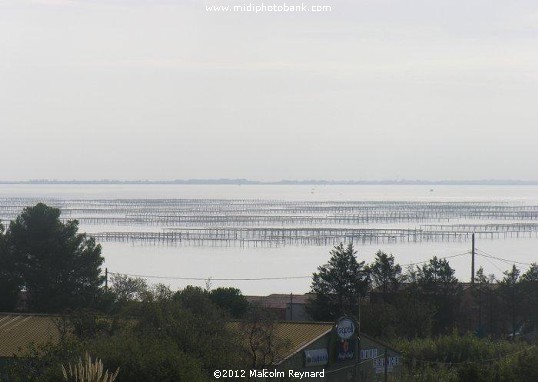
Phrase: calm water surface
x=293 y=261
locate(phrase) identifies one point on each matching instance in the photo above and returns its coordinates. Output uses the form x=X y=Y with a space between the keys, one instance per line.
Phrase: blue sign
x=317 y=357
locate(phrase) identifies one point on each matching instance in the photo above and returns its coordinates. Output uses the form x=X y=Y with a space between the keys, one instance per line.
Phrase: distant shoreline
x=484 y=182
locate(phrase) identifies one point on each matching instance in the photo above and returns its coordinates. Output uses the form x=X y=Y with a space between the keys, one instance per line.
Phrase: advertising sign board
x=345 y=328
x=316 y=357
x=347 y=341
x=379 y=364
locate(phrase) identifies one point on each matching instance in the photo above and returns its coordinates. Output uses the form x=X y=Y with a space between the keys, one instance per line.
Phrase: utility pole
x=472 y=259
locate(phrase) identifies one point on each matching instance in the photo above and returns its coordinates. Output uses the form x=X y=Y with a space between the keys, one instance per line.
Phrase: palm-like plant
x=88 y=371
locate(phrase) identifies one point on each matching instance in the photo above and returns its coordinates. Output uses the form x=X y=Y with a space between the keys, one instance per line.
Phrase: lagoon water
x=180 y=265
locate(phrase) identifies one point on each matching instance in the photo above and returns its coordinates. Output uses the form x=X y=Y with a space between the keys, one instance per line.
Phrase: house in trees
x=317 y=351
x=284 y=307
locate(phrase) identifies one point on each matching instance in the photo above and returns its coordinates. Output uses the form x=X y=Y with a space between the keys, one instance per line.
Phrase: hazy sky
x=376 y=89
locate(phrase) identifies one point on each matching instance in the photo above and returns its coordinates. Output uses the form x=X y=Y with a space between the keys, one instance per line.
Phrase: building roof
x=18 y=331
x=301 y=334
x=280 y=301
x=296 y=335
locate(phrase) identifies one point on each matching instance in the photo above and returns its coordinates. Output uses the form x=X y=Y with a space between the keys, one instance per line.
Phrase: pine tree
x=338 y=285
x=58 y=267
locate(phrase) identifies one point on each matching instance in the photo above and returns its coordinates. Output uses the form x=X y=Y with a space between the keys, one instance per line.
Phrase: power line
x=248 y=278
x=491 y=262
x=442 y=258
x=211 y=278
x=485 y=254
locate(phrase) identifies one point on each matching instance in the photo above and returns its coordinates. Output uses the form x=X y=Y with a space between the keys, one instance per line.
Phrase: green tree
x=532 y=273
x=230 y=300
x=437 y=277
x=263 y=346
x=529 y=287
x=481 y=294
x=414 y=316
x=208 y=338
x=126 y=289
x=380 y=319
x=164 y=336
x=379 y=316
x=142 y=357
x=385 y=275
x=510 y=290
x=338 y=285
x=59 y=267
x=139 y=356
x=437 y=284
x=10 y=281
x=489 y=301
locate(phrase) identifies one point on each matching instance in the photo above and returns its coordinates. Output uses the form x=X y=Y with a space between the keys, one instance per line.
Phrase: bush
x=468 y=359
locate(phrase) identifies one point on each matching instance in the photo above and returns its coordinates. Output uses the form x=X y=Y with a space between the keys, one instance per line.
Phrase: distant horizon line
x=242 y=181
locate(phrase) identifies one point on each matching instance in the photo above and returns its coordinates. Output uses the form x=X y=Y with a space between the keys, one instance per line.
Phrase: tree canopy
x=385 y=274
x=437 y=278
x=338 y=285
x=230 y=300
x=437 y=284
x=10 y=282
x=58 y=267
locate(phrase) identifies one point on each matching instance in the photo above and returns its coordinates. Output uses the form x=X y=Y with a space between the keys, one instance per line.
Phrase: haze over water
x=216 y=262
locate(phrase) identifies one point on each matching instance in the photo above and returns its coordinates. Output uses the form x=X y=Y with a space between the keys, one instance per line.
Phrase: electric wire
x=211 y=278
x=251 y=278
x=486 y=254
x=442 y=258
x=491 y=262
